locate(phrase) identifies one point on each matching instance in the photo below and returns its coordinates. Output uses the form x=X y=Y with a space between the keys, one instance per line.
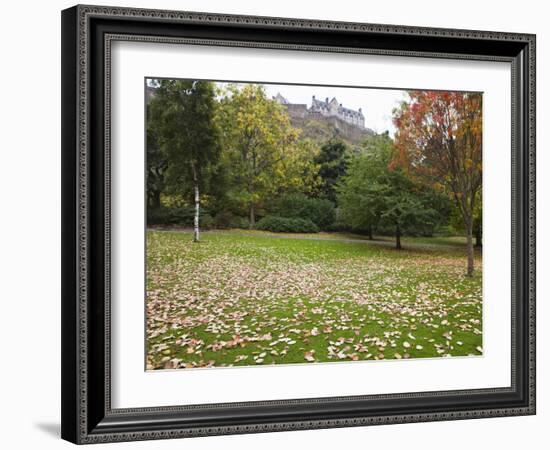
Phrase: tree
x=439 y=136
x=156 y=167
x=373 y=193
x=296 y=172
x=457 y=221
x=263 y=151
x=354 y=196
x=156 y=163
x=478 y=220
x=182 y=118
x=332 y=165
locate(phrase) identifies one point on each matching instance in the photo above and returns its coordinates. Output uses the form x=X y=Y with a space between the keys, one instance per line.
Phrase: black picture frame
x=87 y=416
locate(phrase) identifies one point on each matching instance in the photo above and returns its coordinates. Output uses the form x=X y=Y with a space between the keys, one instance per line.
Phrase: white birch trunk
x=196 y=235
x=196 y=231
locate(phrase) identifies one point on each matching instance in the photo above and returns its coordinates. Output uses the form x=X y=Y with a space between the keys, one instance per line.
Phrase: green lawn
x=249 y=298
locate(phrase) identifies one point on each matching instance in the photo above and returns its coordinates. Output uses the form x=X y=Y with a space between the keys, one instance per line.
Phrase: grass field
x=242 y=298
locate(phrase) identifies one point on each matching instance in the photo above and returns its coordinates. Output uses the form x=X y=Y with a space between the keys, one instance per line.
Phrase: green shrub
x=226 y=219
x=183 y=216
x=287 y=225
x=319 y=211
x=239 y=222
x=223 y=219
x=338 y=226
x=446 y=231
x=206 y=222
x=158 y=216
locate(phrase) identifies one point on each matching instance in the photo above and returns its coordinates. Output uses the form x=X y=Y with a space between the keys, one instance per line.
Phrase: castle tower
x=280 y=99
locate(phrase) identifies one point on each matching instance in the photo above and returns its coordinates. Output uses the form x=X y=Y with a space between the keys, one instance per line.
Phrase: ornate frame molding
x=80 y=418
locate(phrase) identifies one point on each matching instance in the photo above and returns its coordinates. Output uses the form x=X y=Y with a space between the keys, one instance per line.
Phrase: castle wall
x=296 y=110
x=350 y=130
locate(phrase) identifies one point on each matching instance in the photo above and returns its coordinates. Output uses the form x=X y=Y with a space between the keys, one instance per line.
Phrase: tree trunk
x=252 y=216
x=370 y=233
x=469 y=248
x=478 y=237
x=196 y=234
x=155 y=200
x=196 y=231
x=398 y=238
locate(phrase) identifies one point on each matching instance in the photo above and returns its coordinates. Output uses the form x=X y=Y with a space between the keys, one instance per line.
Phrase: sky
x=377 y=104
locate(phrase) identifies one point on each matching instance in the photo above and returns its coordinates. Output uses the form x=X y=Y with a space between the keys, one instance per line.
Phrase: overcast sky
x=377 y=104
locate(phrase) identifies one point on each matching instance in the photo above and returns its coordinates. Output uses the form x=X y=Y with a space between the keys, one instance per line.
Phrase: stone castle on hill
x=326 y=108
x=348 y=123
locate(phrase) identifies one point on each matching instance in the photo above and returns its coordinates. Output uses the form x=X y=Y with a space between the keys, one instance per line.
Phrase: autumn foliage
x=439 y=140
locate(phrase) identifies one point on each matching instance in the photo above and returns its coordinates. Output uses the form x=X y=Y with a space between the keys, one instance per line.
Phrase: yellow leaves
x=438 y=186
x=262 y=144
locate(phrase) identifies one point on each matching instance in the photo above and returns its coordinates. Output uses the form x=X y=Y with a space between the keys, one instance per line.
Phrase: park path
x=375 y=242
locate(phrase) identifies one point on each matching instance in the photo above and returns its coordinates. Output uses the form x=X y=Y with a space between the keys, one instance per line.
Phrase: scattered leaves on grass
x=241 y=300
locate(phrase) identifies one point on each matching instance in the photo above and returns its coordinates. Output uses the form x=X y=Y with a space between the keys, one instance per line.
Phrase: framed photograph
x=280 y=224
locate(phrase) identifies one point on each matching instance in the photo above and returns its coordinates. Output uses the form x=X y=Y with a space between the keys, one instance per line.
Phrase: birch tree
x=182 y=115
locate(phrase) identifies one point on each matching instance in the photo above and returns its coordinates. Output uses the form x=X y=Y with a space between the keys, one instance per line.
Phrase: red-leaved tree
x=439 y=140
